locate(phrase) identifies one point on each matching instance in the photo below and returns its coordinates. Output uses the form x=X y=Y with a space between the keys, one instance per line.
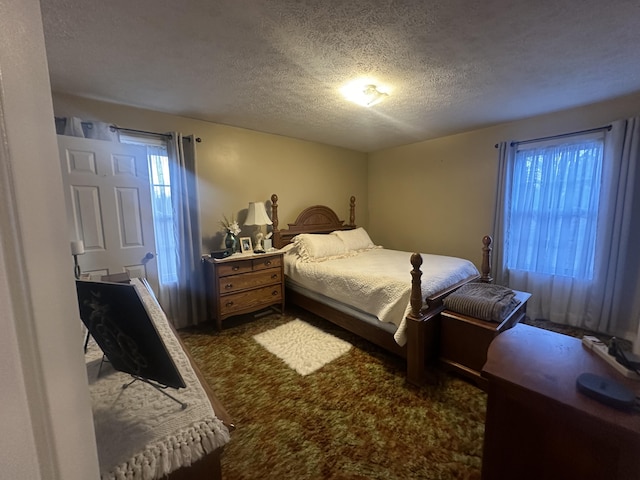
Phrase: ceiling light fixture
x=364 y=93
x=373 y=95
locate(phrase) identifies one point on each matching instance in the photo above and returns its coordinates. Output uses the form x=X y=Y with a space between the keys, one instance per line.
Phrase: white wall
x=45 y=410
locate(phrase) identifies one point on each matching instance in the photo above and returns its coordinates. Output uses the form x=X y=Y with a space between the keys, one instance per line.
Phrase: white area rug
x=303 y=347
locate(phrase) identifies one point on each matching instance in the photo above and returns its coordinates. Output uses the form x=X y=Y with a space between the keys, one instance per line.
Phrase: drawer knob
x=274 y=293
x=228 y=286
x=228 y=304
x=274 y=276
x=235 y=268
x=267 y=263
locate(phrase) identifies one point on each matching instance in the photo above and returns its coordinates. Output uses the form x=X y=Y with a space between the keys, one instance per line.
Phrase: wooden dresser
x=539 y=426
x=243 y=283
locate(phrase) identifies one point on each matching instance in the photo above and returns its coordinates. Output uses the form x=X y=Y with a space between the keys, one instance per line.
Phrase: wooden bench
x=137 y=417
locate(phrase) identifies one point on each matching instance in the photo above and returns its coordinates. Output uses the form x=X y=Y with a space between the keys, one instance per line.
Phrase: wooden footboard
x=423 y=323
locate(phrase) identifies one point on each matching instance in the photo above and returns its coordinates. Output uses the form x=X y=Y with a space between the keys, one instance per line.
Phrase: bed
x=402 y=316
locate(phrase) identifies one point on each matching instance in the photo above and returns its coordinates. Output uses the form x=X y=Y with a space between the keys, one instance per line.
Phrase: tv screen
x=117 y=319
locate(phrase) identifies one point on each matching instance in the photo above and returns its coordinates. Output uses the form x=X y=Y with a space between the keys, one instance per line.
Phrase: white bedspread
x=378 y=281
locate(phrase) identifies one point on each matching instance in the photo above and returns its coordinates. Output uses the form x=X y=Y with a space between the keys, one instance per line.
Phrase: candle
x=77 y=247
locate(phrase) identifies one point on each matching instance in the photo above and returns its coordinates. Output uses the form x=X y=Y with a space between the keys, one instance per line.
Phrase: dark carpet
x=355 y=418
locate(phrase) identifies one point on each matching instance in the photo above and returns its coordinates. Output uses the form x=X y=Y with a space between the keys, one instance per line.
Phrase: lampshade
x=257 y=215
x=77 y=247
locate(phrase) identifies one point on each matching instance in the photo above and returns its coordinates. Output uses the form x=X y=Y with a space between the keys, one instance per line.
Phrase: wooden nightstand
x=464 y=340
x=243 y=283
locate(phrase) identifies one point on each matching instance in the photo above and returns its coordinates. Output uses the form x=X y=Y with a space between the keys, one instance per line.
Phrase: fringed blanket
x=141 y=433
x=482 y=300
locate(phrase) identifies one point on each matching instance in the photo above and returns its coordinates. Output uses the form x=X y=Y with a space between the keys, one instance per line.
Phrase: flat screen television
x=119 y=322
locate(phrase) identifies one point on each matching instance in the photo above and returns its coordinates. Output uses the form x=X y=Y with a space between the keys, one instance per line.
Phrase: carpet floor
x=354 y=418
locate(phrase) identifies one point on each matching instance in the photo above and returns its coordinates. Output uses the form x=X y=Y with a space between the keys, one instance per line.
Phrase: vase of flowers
x=232 y=230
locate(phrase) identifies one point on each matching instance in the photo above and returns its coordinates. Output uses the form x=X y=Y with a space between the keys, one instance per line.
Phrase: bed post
x=416 y=285
x=416 y=338
x=352 y=211
x=486 y=260
x=420 y=331
x=274 y=221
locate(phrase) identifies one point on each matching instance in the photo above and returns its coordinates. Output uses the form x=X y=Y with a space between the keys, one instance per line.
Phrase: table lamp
x=77 y=248
x=257 y=215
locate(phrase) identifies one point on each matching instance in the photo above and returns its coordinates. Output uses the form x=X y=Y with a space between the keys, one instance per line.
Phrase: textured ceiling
x=277 y=66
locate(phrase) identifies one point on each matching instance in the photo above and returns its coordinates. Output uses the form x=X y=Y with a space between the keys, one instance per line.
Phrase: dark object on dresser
x=221 y=253
x=606 y=390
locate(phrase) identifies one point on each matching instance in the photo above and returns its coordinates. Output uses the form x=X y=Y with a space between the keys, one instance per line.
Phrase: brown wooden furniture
x=464 y=340
x=538 y=426
x=423 y=323
x=208 y=467
x=243 y=284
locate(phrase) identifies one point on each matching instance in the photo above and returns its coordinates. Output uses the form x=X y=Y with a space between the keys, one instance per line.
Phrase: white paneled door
x=108 y=199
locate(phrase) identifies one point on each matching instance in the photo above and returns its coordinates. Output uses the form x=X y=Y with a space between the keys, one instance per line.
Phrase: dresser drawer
x=267 y=262
x=250 y=299
x=245 y=281
x=234 y=268
x=244 y=266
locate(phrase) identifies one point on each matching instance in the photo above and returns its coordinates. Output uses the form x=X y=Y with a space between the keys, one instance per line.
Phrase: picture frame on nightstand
x=245 y=244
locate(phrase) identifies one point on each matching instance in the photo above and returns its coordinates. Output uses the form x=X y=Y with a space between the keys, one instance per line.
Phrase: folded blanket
x=482 y=300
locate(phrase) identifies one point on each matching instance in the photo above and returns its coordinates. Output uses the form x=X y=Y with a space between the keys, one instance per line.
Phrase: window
x=553 y=209
x=163 y=214
x=162 y=208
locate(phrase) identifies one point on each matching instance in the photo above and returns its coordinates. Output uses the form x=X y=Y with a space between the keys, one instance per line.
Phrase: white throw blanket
x=378 y=281
x=141 y=433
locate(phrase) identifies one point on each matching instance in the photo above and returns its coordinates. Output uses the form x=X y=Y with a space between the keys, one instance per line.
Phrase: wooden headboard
x=315 y=219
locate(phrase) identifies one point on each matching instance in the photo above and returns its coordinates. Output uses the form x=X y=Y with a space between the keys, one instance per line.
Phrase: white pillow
x=318 y=247
x=357 y=239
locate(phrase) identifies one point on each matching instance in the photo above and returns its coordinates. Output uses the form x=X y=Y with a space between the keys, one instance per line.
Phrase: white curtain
x=77 y=127
x=183 y=300
x=609 y=302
